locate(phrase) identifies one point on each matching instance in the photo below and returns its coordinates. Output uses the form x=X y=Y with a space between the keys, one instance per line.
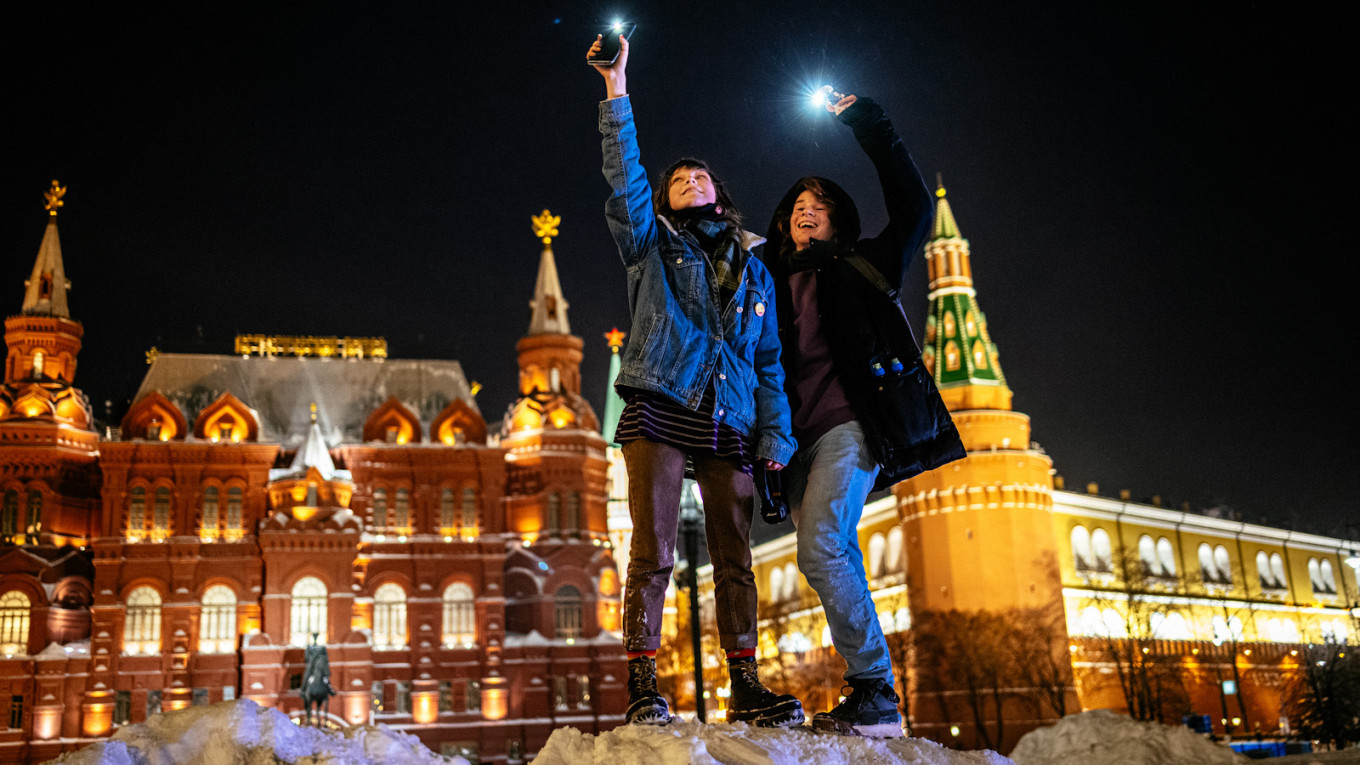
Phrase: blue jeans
x=826 y=485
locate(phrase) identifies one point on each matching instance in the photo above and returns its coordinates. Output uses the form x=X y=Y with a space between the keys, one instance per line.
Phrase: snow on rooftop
x=237 y=732
x=1102 y=737
x=692 y=743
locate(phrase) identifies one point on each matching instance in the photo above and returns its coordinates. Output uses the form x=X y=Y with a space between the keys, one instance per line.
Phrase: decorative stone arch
x=560 y=415
x=523 y=583
x=459 y=423
x=71 y=407
x=393 y=422
x=32 y=404
x=66 y=369
x=73 y=592
x=155 y=418
x=26 y=584
x=525 y=416
x=227 y=419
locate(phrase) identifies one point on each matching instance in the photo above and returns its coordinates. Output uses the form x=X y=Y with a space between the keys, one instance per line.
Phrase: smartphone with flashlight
x=609 y=43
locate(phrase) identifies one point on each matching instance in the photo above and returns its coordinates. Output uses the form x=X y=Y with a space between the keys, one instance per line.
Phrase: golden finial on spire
x=53 y=197
x=545 y=226
x=939 y=184
x=615 y=339
x=313 y=411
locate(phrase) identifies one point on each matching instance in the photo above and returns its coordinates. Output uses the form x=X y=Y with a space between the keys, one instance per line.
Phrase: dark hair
x=661 y=201
x=819 y=190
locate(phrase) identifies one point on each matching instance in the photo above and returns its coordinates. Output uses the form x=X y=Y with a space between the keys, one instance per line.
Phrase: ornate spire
x=549 y=307
x=613 y=403
x=958 y=350
x=313 y=453
x=45 y=290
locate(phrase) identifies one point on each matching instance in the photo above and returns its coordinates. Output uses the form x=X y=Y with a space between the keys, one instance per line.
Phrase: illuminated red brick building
x=303 y=488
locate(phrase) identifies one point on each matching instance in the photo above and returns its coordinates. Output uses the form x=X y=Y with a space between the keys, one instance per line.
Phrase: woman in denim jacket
x=703 y=384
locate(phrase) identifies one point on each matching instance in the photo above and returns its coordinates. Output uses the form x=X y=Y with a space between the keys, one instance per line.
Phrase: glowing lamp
x=46 y=722
x=425 y=706
x=954 y=731
x=97 y=717
x=618 y=25
x=356 y=708
x=495 y=698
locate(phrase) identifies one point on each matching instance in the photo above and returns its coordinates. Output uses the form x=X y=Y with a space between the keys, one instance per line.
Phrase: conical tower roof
x=45 y=290
x=549 y=306
x=959 y=350
x=613 y=403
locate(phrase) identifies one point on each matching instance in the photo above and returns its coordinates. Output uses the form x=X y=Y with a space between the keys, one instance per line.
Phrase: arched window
x=142 y=630
x=895 y=559
x=1324 y=572
x=1147 y=556
x=826 y=636
x=1227 y=630
x=308 y=611
x=970 y=324
x=790 y=581
x=877 y=545
x=776 y=584
x=949 y=327
x=1263 y=572
x=235 y=525
x=568 y=620
x=402 y=512
x=903 y=619
x=14 y=621
x=35 y=502
x=1224 y=564
x=1172 y=627
x=161 y=517
x=460 y=616
x=389 y=616
x=446 y=508
x=1100 y=550
x=380 y=519
x=551 y=521
x=137 y=513
x=1208 y=571
x=573 y=522
x=979 y=355
x=1091 y=623
x=9 y=515
x=1081 y=548
x=217 y=628
x=469 y=508
x=208 y=526
x=1277 y=566
x=1166 y=554
x=951 y=355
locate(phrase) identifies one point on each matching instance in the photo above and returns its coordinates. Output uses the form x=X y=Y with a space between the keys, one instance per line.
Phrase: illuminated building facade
x=1215 y=599
x=304 y=489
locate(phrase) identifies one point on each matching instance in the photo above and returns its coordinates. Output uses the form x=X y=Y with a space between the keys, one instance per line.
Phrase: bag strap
x=873 y=275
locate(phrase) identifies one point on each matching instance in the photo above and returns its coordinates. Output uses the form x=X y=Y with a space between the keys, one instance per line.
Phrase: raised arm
x=905 y=194
x=628 y=210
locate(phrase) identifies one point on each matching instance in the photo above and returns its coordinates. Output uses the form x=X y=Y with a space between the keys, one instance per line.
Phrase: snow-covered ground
x=244 y=733
x=1102 y=737
x=691 y=743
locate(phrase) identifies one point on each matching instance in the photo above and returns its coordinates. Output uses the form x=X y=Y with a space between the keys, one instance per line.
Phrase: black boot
x=754 y=703
x=870 y=711
x=645 y=705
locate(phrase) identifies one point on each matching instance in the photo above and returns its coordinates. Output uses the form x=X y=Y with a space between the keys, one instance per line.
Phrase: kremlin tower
x=979 y=531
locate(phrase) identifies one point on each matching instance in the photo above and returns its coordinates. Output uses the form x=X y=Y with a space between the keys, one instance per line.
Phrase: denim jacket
x=681 y=337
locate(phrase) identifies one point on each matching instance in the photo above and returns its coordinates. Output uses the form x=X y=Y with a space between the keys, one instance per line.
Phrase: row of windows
x=890 y=621
x=1092 y=553
x=16 y=520
x=149 y=515
x=457 y=510
x=1097 y=622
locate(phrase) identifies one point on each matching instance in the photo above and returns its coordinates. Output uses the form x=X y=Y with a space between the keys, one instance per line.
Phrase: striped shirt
x=656 y=418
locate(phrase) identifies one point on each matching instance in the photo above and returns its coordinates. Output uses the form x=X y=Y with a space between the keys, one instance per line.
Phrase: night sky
x=1152 y=193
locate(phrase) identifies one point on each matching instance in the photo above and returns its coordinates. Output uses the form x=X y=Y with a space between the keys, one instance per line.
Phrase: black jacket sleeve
x=905 y=194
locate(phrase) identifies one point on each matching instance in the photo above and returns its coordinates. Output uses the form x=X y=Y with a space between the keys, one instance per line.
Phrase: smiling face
x=691 y=187
x=811 y=219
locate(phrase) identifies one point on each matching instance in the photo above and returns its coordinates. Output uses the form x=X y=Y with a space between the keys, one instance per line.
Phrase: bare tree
x=1133 y=606
x=1323 y=700
x=969 y=660
x=1040 y=657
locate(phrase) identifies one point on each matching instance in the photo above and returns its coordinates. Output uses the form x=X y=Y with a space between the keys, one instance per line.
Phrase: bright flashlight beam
x=618 y=25
x=823 y=96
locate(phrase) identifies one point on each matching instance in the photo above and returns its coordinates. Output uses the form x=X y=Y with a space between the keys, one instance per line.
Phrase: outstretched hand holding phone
x=615 y=78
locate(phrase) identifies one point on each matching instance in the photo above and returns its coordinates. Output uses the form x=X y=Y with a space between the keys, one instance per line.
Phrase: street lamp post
x=691 y=521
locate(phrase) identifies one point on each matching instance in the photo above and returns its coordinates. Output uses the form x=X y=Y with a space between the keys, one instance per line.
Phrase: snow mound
x=1102 y=737
x=693 y=743
x=244 y=733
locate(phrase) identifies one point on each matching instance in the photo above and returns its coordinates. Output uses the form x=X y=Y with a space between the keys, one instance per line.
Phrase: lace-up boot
x=646 y=706
x=754 y=703
x=870 y=710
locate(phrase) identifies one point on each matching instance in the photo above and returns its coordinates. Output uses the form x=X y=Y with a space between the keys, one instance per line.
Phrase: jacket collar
x=749 y=241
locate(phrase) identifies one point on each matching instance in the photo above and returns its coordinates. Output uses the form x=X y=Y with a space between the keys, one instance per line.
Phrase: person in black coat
x=866 y=412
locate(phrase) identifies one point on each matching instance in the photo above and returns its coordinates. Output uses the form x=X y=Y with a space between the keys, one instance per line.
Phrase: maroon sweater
x=818 y=400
